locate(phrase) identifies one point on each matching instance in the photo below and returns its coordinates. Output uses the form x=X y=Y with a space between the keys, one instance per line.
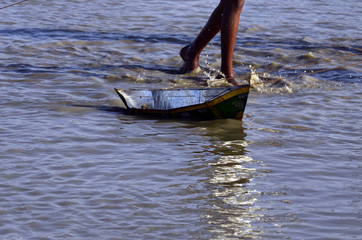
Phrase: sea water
x=72 y=167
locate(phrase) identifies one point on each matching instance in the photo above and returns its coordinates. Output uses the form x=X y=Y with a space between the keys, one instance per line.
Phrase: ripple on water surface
x=74 y=167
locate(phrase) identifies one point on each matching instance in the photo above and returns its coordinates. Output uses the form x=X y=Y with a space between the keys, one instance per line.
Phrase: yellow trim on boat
x=210 y=104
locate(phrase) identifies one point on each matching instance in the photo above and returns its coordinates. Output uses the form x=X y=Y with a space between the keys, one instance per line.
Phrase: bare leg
x=225 y=17
x=190 y=53
x=229 y=30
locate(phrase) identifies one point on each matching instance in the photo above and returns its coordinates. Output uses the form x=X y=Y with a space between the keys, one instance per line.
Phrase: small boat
x=199 y=103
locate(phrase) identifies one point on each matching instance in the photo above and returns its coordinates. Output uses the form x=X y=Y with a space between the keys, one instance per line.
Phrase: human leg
x=225 y=17
x=190 y=53
x=229 y=28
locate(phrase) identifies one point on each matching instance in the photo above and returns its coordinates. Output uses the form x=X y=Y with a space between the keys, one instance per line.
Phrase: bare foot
x=191 y=62
x=230 y=79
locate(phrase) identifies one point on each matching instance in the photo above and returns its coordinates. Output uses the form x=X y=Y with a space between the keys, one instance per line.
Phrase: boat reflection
x=232 y=212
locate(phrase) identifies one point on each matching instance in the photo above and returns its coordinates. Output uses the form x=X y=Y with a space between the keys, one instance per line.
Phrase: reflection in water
x=231 y=212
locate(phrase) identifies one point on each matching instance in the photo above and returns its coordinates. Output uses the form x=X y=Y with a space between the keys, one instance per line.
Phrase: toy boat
x=199 y=103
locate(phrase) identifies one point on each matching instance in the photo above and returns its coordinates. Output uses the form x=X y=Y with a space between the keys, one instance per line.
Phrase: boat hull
x=202 y=103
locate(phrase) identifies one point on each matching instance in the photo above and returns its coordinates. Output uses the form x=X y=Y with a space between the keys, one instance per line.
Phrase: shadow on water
x=85 y=71
x=86 y=68
x=102 y=108
x=90 y=70
x=251 y=42
x=63 y=34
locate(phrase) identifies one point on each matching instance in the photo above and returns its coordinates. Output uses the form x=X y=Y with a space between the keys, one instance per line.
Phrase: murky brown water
x=74 y=168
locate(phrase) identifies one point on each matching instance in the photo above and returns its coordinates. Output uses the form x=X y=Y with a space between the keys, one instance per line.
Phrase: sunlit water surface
x=73 y=167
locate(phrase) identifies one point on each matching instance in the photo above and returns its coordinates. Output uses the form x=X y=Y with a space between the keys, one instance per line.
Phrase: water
x=73 y=168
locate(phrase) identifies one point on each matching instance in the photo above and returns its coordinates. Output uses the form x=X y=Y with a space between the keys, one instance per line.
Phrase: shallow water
x=75 y=168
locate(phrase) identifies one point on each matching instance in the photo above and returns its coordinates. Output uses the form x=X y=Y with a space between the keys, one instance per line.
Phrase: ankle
x=191 y=60
x=229 y=77
x=187 y=53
